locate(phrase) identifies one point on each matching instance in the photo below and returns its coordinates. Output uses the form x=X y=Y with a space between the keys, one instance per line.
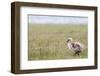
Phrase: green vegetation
x=48 y=42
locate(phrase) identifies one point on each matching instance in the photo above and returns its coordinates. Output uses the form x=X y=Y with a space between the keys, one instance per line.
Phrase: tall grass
x=48 y=42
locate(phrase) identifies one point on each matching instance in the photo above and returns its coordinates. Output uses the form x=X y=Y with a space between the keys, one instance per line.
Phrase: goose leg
x=77 y=53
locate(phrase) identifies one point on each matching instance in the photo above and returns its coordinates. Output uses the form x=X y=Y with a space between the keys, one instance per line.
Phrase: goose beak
x=67 y=41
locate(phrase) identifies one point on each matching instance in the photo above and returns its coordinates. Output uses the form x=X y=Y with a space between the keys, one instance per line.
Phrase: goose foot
x=77 y=53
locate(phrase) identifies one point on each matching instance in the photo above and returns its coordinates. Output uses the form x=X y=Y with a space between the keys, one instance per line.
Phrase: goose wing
x=79 y=46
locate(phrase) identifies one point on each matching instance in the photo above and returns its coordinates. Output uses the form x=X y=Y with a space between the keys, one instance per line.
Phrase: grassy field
x=48 y=42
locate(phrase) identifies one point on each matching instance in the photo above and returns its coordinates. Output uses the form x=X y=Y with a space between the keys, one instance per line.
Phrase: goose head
x=69 y=40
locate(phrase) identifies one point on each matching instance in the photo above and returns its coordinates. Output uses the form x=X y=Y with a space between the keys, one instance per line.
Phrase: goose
x=77 y=47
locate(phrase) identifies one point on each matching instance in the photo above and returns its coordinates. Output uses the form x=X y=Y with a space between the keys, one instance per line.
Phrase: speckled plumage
x=74 y=46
